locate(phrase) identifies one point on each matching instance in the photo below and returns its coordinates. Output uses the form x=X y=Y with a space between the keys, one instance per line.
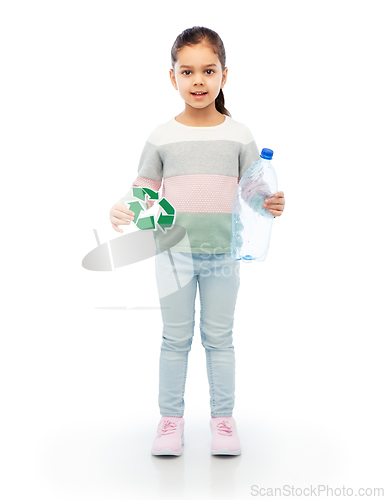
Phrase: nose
x=198 y=79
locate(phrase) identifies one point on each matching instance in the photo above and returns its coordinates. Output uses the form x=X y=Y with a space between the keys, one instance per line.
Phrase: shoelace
x=224 y=429
x=168 y=427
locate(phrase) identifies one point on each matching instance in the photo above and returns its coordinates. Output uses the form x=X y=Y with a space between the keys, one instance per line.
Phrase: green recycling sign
x=164 y=221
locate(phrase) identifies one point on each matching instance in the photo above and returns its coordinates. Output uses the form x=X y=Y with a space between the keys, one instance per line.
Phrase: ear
x=224 y=77
x=173 y=79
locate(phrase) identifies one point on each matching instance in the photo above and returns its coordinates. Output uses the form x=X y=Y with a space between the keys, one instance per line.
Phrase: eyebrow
x=207 y=66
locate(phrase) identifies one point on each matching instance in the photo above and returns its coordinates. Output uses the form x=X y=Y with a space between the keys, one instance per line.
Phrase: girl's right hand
x=119 y=214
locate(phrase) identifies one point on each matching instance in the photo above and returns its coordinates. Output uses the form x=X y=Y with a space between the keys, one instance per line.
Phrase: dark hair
x=199 y=34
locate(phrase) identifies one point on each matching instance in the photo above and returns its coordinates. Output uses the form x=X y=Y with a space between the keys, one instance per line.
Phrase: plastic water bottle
x=251 y=223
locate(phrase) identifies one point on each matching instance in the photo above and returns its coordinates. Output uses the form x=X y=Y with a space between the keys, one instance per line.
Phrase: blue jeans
x=218 y=279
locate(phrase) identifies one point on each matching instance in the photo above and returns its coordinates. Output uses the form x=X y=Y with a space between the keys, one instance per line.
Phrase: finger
x=123 y=206
x=276 y=212
x=279 y=194
x=273 y=201
x=116 y=228
x=276 y=206
x=119 y=222
x=123 y=213
x=276 y=198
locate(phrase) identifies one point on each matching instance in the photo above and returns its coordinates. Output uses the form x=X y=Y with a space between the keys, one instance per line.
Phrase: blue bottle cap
x=267 y=154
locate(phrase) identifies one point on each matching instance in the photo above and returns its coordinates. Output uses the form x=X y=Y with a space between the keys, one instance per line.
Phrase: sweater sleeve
x=248 y=154
x=150 y=172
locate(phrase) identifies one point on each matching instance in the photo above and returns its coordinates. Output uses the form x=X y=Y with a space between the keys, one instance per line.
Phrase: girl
x=200 y=155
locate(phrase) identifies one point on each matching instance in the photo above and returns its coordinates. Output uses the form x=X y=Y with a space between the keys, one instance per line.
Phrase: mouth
x=198 y=95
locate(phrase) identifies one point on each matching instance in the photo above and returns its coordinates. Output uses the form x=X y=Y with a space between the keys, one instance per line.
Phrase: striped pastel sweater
x=200 y=168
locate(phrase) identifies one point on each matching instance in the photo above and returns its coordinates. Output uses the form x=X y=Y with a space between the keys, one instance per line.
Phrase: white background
x=83 y=84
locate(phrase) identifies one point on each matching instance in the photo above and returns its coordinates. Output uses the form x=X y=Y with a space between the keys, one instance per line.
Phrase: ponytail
x=220 y=104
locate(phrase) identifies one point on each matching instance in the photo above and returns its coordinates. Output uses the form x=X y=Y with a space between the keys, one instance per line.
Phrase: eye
x=186 y=71
x=210 y=70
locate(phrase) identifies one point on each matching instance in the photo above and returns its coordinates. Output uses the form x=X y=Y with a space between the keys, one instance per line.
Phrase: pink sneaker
x=170 y=437
x=225 y=440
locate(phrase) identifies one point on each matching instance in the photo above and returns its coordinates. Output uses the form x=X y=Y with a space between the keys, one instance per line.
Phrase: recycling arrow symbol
x=164 y=222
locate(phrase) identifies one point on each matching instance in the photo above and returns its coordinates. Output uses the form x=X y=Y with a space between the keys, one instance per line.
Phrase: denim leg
x=178 y=314
x=218 y=289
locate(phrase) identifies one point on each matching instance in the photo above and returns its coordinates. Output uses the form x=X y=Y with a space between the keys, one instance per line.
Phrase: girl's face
x=198 y=75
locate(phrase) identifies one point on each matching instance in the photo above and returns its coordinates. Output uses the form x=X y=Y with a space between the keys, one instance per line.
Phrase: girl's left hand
x=276 y=204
